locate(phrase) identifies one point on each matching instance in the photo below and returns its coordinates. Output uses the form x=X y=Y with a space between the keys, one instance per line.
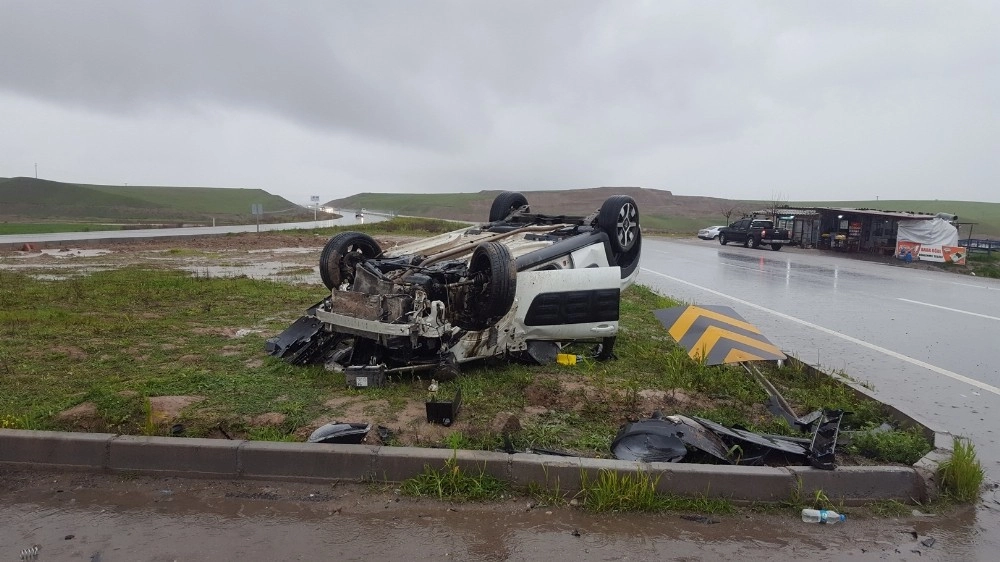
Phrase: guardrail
x=980 y=245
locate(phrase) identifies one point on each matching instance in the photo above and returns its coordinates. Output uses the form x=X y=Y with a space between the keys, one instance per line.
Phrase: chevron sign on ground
x=716 y=335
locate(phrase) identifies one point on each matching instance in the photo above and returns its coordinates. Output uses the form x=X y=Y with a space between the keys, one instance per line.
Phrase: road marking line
x=949 y=309
x=873 y=347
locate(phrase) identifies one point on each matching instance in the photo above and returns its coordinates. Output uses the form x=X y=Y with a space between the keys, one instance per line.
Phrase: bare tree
x=728 y=209
x=778 y=201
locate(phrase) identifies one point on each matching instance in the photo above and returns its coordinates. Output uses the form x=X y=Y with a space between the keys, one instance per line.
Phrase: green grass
x=41 y=199
x=200 y=200
x=681 y=226
x=985 y=265
x=961 y=476
x=614 y=492
x=451 y=482
x=895 y=446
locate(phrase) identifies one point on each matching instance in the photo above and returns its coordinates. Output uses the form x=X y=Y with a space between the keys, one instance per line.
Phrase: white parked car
x=522 y=284
x=709 y=233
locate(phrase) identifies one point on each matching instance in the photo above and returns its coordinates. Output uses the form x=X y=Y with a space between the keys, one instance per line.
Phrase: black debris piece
x=755 y=449
x=444 y=413
x=652 y=440
x=340 y=433
x=824 y=441
x=302 y=343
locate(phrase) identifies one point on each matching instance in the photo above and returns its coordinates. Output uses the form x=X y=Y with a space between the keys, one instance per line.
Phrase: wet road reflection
x=924 y=340
x=111 y=518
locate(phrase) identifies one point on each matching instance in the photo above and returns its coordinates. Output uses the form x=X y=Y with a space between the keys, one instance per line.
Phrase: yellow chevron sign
x=716 y=335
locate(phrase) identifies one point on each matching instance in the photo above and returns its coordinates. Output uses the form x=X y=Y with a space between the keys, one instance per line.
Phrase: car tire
x=334 y=266
x=716 y=237
x=776 y=247
x=505 y=204
x=722 y=239
x=619 y=219
x=754 y=242
x=491 y=294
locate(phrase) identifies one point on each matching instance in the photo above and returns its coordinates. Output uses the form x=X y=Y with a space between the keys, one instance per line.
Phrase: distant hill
x=27 y=199
x=660 y=209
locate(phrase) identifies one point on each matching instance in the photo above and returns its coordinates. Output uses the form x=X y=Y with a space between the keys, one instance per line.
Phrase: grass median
x=93 y=352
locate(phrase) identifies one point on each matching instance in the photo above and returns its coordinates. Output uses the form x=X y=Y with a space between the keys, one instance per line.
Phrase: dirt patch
x=71 y=352
x=82 y=416
x=268 y=419
x=166 y=409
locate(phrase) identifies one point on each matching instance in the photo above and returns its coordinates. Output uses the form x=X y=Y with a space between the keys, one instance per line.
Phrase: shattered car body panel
x=482 y=291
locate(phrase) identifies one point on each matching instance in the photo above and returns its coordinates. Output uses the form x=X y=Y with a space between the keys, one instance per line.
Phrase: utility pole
x=36 y=170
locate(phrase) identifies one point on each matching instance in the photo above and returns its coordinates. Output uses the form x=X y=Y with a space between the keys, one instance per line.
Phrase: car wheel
x=619 y=218
x=722 y=239
x=491 y=293
x=754 y=242
x=505 y=204
x=341 y=253
x=775 y=247
x=716 y=237
x=746 y=242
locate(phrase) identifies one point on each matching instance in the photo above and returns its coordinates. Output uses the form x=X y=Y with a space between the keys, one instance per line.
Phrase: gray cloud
x=812 y=99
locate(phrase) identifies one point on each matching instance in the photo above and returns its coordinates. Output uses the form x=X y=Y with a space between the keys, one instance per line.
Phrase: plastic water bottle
x=822 y=516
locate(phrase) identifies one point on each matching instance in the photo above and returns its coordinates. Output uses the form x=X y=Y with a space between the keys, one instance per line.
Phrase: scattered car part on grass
x=651 y=440
x=824 y=441
x=692 y=439
x=444 y=412
x=522 y=285
x=335 y=432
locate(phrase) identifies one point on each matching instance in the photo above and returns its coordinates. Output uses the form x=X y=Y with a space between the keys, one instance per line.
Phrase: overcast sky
x=805 y=100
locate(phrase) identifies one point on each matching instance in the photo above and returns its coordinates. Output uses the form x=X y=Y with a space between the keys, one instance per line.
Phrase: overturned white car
x=521 y=285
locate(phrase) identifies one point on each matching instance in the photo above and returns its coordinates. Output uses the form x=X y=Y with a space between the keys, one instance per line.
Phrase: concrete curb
x=311 y=462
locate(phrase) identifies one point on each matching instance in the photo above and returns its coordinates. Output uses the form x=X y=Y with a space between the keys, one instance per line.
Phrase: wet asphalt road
x=926 y=340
